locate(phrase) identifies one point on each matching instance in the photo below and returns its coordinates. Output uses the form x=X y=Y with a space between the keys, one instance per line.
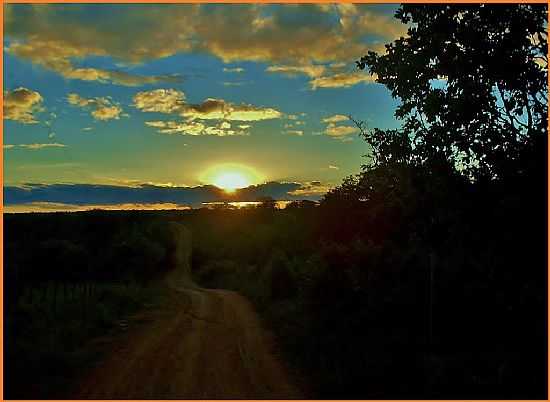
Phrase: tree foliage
x=472 y=80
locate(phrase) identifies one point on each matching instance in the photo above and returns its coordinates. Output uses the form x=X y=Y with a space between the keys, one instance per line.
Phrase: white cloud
x=233 y=83
x=34 y=146
x=298 y=133
x=233 y=70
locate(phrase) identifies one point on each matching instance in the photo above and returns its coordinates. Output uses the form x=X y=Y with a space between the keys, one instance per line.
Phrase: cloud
x=160 y=100
x=34 y=146
x=234 y=83
x=21 y=104
x=61 y=207
x=335 y=118
x=299 y=133
x=213 y=108
x=281 y=35
x=56 y=56
x=174 y=127
x=196 y=128
x=233 y=70
x=103 y=108
x=341 y=80
x=111 y=195
x=340 y=131
x=171 y=101
x=329 y=76
x=313 y=188
x=293 y=71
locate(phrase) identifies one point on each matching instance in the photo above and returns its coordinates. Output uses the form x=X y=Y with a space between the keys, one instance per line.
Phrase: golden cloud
x=175 y=127
x=217 y=109
x=56 y=56
x=341 y=80
x=340 y=131
x=311 y=188
x=195 y=128
x=292 y=71
x=21 y=104
x=171 y=101
x=299 y=133
x=103 y=108
x=337 y=118
x=160 y=100
x=329 y=76
x=286 y=36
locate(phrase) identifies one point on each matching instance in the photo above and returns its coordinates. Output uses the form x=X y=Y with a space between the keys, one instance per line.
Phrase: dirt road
x=208 y=345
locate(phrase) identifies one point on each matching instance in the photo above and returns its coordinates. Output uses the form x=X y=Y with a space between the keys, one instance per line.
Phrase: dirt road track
x=208 y=345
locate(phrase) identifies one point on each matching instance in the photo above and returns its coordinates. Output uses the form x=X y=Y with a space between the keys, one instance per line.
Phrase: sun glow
x=231 y=177
x=230 y=181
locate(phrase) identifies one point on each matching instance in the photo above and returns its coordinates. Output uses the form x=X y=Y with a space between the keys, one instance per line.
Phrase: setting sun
x=231 y=176
x=230 y=181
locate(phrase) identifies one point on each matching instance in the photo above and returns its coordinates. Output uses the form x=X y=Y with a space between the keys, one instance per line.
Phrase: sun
x=230 y=181
x=231 y=176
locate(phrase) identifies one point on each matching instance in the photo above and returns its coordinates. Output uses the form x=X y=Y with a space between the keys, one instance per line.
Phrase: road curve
x=209 y=345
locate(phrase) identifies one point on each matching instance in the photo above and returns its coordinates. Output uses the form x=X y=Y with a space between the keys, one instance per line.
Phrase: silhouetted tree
x=473 y=84
x=267 y=202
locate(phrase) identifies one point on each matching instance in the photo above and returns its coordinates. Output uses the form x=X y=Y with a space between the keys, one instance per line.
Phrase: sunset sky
x=122 y=104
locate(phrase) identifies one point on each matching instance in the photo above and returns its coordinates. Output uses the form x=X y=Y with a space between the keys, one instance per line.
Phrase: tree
x=472 y=80
x=267 y=202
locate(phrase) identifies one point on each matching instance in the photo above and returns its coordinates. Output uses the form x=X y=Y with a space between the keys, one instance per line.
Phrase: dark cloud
x=97 y=194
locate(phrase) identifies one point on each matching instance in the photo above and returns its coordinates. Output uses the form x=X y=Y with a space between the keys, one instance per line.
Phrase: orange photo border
x=227 y=2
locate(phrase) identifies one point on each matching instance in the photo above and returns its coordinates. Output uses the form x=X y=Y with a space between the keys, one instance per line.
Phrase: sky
x=145 y=104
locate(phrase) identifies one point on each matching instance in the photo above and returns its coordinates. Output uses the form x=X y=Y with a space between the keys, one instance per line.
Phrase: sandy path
x=208 y=345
